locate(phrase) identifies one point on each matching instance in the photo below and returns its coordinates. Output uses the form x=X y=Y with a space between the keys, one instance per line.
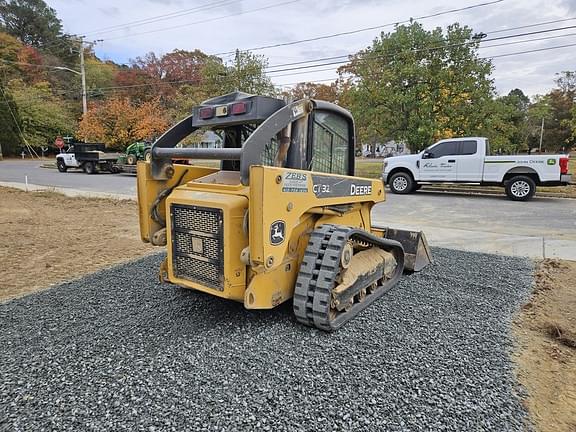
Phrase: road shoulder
x=545 y=331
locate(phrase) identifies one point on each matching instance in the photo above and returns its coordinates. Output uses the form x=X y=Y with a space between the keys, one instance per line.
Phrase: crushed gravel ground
x=116 y=350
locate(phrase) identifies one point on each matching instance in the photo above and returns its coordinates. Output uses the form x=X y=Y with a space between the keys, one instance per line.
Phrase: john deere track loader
x=282 y=218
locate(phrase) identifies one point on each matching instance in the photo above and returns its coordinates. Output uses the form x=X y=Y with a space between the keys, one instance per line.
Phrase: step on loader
x=282 y=218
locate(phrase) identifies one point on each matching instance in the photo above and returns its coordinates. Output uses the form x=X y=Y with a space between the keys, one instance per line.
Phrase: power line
x=365 y=29
x=117 y=88
x=346 y=56
x=488 y=57
x=164 y=17
x=207 y=20
x=532 y=51
x=331 y=79
x=422 y=49
x=534 y=25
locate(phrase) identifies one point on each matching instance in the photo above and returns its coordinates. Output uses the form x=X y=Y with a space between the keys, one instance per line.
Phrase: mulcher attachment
x=344 y=270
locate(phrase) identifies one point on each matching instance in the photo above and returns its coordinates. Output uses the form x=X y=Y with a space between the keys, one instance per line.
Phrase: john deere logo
x=277 y=232
x=551 y=161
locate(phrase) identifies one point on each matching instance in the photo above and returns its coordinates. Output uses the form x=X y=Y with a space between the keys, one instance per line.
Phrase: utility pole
x=83 y=76
x=541 y=135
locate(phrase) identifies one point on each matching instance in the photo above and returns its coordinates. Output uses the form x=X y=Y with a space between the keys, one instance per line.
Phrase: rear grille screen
x=197 y=253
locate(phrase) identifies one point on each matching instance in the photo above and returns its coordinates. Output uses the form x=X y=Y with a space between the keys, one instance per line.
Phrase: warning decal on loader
x=328 y=186
x=295 y=182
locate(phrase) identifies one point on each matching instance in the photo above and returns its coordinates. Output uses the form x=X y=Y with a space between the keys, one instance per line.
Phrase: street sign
x=59 y=142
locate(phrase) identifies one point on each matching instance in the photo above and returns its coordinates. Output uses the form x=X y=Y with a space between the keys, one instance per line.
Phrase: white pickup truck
x=468 y=160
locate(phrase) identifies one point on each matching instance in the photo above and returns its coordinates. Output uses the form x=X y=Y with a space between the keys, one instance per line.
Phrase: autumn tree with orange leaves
x=118 y=122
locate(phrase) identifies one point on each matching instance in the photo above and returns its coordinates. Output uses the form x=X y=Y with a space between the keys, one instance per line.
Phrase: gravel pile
x=117 y=351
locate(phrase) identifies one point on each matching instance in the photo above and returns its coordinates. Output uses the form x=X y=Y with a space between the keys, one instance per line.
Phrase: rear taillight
x=239 y=108
x=564 y=165
x=206 y=113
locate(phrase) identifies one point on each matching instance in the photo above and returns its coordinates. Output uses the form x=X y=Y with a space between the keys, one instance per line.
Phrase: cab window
x=268 y=156
x=330 y=146
x=443 y=149
x=468 y=148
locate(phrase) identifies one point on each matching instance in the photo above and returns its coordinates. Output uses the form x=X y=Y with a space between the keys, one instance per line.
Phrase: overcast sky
x=245 y=24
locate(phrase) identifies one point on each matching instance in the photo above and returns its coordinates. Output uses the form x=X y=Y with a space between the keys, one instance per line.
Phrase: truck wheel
x=520 y=188
x=148 y=155
x=89 y=167
x=111 y=168
x=401 y=183
x=131 y=159
x=61 y=165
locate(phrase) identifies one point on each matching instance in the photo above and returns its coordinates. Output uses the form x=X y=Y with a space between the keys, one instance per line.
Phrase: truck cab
x=459 y=160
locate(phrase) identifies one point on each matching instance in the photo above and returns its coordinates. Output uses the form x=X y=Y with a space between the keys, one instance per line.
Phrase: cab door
x=330 y=144
x=439 y=162
x=470 y=162
x=70 y=158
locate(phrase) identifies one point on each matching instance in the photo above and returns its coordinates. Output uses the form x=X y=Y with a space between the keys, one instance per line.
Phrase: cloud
x=109 y=10
x=570 y=4
x=309 y=19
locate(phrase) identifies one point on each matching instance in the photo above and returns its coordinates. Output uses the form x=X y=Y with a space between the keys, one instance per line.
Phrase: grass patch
x=369 y=168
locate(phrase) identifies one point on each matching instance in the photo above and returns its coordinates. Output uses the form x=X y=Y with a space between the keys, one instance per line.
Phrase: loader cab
x=259 y=130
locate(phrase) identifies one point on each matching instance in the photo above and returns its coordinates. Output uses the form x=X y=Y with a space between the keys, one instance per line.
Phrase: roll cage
x=246 y=134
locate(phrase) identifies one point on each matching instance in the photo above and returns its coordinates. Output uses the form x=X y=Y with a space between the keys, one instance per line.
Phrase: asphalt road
x=16 y=170
x=543 y=227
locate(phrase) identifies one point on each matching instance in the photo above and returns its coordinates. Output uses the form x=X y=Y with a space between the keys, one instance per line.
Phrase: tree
x=315 y=91
x=557 y=131
x=178 y=65
x=417 y=86
x=246 y=73
x=501 y=127
x=31 y=21
x=42 y=115
x=12 y=54
x=506 y=122
x=10 y=140
x=538 y=111
x=566 y=82
x=99 y=75
x=118 y=122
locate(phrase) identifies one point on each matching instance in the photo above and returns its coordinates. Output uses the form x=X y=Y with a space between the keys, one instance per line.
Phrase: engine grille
x=197 y=239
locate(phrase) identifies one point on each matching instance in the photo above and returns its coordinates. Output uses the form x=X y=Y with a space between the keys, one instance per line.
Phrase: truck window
x=330 y=143
x=443 y=149
x=468 y=148
x=488 y=153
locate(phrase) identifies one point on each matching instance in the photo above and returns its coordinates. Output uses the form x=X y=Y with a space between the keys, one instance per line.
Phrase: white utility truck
x=468 y=160
x=90 y=157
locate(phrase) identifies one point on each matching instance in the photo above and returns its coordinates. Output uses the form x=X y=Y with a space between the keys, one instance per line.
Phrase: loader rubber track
x=321 y=267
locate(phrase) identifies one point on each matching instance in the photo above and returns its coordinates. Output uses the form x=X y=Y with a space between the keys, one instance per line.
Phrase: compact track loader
x=282 y=218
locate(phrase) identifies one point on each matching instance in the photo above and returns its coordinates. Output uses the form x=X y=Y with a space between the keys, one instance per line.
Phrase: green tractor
x=140 y=150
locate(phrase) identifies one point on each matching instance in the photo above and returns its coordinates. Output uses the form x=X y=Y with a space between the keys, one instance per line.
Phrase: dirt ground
x=546 y=357
x=46 y=238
